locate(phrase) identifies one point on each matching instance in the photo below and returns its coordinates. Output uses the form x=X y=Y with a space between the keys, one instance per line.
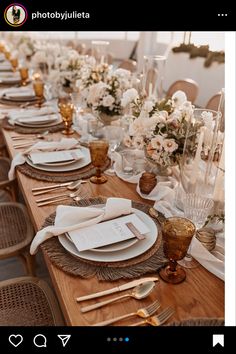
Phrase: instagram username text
x=60 y=15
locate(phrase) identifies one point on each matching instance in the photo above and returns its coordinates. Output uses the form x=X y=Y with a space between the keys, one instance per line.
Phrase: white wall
x=210 y=80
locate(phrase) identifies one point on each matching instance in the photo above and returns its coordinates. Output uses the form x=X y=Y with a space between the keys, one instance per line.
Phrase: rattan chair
x=189 y=86
x=213 y=102
x=128 y=64
x=6 y=185
x=28 y=301
x=16 y=234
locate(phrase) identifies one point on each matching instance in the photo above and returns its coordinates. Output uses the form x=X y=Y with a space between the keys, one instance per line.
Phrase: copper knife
x=123 y=287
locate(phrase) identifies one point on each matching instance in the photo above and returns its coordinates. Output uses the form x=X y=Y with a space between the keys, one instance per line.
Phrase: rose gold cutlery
x=116 y=289
x=156 y=320
x=141 y=291
x=143 y=312
x=71 y=186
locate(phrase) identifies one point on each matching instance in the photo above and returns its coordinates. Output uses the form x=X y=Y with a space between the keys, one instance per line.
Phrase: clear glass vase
x=153 y=75
x=203 y=147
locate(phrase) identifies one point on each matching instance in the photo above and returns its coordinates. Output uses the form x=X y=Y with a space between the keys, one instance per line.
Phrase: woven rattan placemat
x=149 y=261
x=26 y=130
x=84 y=172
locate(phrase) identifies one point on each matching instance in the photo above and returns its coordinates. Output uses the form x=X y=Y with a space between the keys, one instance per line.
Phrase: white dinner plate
x=84 y=161
x=40 y=125
x=37 y=120
x=136 y=250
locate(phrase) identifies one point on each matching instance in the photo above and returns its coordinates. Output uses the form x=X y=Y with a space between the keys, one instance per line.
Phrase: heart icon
x=15 y=339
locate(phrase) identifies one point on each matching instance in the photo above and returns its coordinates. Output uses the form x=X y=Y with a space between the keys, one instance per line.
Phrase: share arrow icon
x=64 y=338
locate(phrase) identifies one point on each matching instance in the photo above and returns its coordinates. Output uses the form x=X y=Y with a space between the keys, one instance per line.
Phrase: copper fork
x=142 y=312
x=157 y=320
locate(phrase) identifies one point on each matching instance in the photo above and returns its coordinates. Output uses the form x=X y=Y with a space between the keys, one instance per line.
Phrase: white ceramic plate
x=137 y=249
x=38 y=120
x=86 y=160
x=40 y=125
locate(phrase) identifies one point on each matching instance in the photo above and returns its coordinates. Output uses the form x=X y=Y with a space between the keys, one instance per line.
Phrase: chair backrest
x=28 y=301
x=128 y=64
x=213 y=102
x=5 y=164
x=189 y=86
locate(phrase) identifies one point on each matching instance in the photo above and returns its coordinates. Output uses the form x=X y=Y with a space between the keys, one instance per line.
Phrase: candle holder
x=24 y=74
x=38 y=87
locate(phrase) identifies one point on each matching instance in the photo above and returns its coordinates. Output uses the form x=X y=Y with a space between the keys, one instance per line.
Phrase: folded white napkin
x=69 y=218
x=20 y=158
x=206 y=259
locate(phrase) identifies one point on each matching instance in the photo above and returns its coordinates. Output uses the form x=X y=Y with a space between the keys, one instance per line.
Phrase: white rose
x=108 y=101
x=178 y=98
x=148 y=106
x=129 y=96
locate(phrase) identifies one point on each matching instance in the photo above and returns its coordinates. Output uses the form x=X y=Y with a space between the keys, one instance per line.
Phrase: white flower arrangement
x=68 y=69
x=25 y=45
x=161 y=127
x=111 y=95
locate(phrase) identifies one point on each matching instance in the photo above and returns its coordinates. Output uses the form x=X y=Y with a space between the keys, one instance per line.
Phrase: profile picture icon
x=15 y=15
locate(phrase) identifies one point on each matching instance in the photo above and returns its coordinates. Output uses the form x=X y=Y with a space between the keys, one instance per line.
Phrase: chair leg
x=29 y=262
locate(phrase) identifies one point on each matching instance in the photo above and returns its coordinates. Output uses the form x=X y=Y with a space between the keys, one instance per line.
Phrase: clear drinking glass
x=133 y=162
x=114 y=135
x=153 y=75
x=196 y=208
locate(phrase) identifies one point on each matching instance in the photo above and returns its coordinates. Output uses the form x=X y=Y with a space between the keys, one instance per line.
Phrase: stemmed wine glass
x=177 y=234
x=38 y=87
x=196 y=208
x=66 y=111
x=98 y=152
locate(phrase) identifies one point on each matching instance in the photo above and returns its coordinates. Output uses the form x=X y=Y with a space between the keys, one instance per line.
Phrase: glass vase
x=203 y=154
x=153 y=75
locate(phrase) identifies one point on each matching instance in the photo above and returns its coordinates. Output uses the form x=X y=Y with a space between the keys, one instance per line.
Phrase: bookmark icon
x=64 y=338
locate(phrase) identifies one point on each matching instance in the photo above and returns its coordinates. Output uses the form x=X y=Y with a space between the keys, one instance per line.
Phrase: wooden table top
x=200 y=295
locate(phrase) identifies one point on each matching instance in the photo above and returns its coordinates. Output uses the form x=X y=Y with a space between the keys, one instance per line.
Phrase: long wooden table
x=200 y=295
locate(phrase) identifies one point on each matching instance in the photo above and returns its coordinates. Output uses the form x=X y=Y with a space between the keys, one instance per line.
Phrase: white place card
x=56 y=156
x=107 y=232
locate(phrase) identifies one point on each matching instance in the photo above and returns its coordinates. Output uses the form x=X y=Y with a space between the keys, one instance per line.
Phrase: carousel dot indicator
x=127 y=339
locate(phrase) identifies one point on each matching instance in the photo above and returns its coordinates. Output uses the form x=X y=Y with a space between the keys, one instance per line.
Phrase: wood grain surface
x=200 y=295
